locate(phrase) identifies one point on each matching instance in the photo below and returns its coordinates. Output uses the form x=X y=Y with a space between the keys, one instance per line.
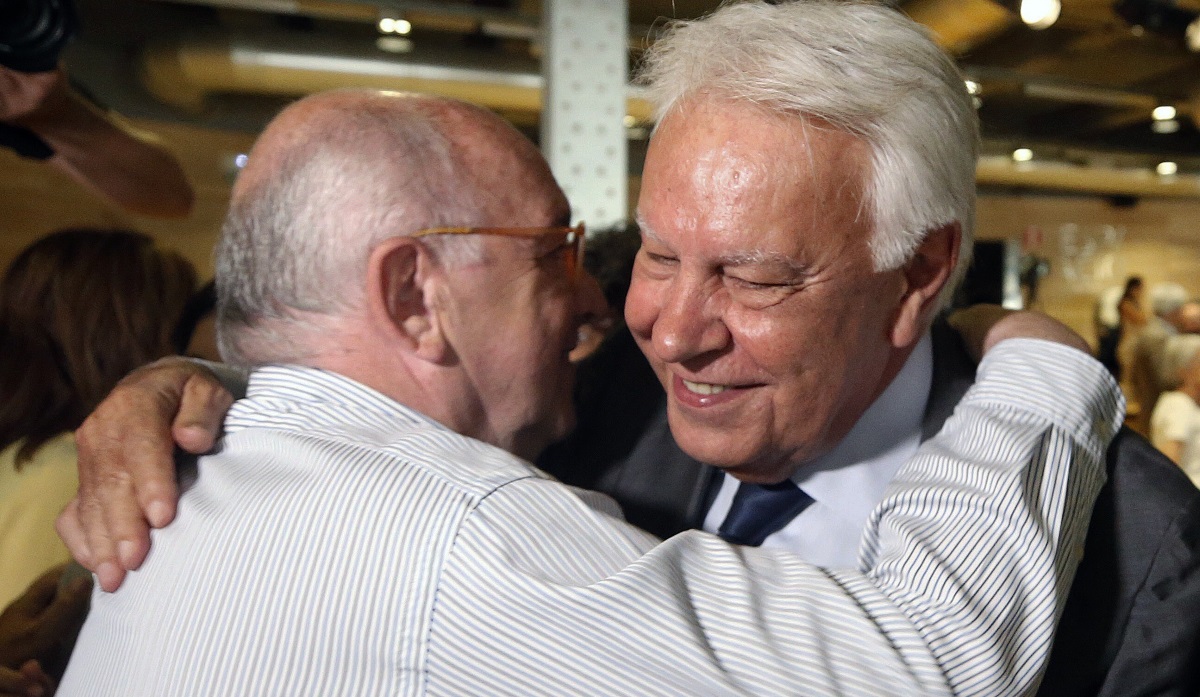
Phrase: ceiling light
x=1192 y=35
x=394 y=25
x=1166 y=169
x=1163 y=113
x=1022 y=155
x=1040 y=14
x=973 y=87
x=1165 y=127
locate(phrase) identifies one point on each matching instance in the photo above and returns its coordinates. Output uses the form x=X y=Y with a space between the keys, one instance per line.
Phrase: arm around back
x=126 y=461
x=962 y=577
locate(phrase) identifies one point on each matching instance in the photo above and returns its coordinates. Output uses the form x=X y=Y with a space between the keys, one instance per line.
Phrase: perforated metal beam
x=585 y=64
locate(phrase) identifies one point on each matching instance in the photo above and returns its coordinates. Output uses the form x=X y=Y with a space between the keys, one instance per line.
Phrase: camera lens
x=20 y=20
x=34 y=32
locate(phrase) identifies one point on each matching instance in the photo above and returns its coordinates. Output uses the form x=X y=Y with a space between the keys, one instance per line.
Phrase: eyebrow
x=743 y=258
x=644 y=228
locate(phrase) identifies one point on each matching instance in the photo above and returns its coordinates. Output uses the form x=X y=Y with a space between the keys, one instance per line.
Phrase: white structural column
x=586 y=66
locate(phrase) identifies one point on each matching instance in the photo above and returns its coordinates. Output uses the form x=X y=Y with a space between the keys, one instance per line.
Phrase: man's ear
x=400 y=273
x=924 y=278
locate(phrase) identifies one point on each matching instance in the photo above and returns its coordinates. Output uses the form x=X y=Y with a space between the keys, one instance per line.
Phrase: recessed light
x=1165 y=112
x=1040 y=14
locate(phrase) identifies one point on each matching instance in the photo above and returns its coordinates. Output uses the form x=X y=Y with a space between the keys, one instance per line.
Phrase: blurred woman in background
x=78 y=310
x=1175 y=423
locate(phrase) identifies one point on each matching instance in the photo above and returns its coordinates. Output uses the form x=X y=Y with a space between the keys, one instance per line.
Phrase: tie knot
x=758 y=510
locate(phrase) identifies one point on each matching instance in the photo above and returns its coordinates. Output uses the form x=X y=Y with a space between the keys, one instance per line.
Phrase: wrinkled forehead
x=715 y=167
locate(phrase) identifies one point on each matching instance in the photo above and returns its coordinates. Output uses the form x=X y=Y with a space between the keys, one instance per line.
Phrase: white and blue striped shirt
x=339 y=543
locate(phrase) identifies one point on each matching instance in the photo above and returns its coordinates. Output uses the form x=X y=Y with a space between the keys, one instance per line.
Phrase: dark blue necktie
x=761 y=509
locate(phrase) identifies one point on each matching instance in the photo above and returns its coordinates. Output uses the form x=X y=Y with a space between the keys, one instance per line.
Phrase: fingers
x=15 y=683
x=43 y=616
x=67 y=611
x=984 y=326
x=70 y=529
x=201 y=413
x=973 y=325
x=38 y=595
x=36 y=681
x=126 y=471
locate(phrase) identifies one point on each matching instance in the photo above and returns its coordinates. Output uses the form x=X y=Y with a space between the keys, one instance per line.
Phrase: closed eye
x=758 y=285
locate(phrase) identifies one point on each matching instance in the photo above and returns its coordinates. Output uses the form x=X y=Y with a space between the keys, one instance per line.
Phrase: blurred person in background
x=1119 y=321
x=79 y=309
x=1132 y=319
x=1175 y=423
x=1148 y=378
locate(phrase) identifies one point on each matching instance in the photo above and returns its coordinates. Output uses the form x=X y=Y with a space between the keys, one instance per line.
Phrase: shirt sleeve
x=965 y=568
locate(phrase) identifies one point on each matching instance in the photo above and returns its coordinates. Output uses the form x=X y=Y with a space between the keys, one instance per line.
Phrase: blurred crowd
x=1150 y=340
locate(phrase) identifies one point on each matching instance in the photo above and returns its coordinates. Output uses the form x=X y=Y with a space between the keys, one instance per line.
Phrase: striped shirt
x=339 y=543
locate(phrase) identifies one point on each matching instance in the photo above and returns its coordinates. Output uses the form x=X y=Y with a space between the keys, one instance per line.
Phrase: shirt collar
x=277 y=393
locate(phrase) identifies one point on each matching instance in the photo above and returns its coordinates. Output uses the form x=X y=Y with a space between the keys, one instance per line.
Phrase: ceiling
x=1078 y=94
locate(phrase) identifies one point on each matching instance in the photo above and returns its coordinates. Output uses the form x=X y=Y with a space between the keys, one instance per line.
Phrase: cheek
x=783 y=342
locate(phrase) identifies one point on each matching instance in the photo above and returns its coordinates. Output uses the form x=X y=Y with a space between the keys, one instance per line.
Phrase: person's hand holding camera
x=22 y=95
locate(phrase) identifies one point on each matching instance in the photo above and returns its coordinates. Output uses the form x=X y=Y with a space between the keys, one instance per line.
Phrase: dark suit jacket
x=1131 y=625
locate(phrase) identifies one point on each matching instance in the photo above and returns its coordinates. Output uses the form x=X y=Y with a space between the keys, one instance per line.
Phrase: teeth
x=704 y=387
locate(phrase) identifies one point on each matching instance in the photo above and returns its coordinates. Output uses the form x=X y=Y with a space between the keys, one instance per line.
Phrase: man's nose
x=589 y=300
x=688 y=324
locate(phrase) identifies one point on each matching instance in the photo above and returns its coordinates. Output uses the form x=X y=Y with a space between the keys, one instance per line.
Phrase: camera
x=34 y=32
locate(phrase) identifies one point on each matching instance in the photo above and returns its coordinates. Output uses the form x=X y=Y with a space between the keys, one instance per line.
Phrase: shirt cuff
x=1062 y=384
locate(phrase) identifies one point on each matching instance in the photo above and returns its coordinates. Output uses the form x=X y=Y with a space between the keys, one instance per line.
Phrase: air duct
x=184 y=73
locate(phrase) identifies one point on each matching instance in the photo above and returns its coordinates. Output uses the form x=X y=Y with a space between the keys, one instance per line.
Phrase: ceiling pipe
x=998 y=170
x=186 y=72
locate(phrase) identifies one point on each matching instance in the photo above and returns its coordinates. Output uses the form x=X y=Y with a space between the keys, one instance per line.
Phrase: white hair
x=1166 y=298
x=861 y=67
x=1178 y=353
x=295 y=244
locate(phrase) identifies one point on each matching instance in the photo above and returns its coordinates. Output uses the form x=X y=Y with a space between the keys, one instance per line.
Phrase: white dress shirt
x=339 y=543
x=848 y=482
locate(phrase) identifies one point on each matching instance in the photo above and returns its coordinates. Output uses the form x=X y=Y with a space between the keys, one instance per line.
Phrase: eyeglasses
x=572 y=238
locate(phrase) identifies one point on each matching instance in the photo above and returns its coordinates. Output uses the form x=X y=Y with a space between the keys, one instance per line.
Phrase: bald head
x=1189 y=317
x=336 y=173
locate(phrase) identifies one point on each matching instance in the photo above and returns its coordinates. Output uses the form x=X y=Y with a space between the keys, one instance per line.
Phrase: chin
x=739 y=458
